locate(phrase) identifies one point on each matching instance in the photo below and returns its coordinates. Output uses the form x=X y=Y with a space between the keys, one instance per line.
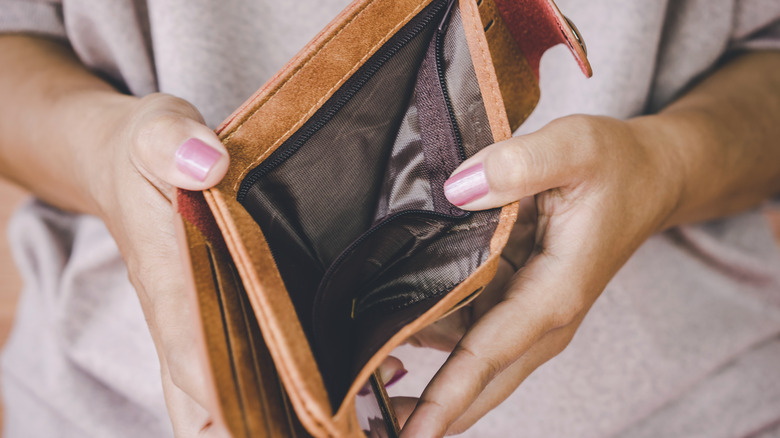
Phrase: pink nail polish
x=467 y=185
x=396 y=377
x=196 y=158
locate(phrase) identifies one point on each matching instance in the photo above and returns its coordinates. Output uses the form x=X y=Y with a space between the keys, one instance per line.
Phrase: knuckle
x=507 y=167
x=565 y=341
x=564 y=314
x=181 y=362
x=152 y=127
x=168 y=102
x=165 y=122
x=584 y=135
x=486 y=366
x=461 y=426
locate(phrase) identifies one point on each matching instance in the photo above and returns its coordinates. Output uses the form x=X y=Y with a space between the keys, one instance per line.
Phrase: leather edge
x=184 y=239
x=305 y=84
x=289 y=348
x=499 y=125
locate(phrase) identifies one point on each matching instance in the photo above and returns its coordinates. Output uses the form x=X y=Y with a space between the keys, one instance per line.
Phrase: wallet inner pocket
x=352 y=204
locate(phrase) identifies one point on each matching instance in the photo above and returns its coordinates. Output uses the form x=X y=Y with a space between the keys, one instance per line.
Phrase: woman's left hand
x=600 y=191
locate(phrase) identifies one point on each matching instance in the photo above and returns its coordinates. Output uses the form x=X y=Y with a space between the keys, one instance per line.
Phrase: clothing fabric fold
x=682 y=343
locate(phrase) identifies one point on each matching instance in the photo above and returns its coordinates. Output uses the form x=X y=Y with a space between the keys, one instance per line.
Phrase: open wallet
x=330 y=241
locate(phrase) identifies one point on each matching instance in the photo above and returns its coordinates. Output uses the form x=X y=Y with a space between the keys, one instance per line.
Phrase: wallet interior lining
x=351 y=204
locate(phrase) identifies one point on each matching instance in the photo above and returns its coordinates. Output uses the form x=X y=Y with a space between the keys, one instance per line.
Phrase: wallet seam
x=487 y=60
x=327 y=94
x=322 y=424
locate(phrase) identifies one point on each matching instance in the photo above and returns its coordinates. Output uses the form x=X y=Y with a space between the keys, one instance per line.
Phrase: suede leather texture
x=504 y=73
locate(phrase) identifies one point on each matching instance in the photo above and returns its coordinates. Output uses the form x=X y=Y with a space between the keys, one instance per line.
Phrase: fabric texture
x=683 y=342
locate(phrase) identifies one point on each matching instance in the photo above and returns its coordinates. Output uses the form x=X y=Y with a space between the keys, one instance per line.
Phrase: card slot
x=228 y=326
x=260 y=397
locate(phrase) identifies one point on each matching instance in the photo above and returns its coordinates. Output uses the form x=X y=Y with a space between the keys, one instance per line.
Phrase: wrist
x=668 y=162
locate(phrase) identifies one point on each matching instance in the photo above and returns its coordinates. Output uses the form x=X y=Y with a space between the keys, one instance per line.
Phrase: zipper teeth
x=443 y=83
x=458 y=140
x=385 y=56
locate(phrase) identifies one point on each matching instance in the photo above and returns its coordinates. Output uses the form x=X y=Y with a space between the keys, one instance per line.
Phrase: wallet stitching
x=457 y=229
x=418 y=299
x=327 y=94
x=275 y=332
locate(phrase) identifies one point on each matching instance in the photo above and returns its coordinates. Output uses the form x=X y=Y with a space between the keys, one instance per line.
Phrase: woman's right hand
x=157 y=144
x=152 y=146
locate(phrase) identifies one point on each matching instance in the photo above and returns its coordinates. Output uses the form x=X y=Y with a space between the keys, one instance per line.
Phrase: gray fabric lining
x=350 y=211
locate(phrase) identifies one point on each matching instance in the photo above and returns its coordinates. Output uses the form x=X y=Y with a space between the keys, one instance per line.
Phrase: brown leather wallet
x=329 y=241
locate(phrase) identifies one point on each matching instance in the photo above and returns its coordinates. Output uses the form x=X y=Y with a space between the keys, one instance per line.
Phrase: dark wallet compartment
x=352 y=204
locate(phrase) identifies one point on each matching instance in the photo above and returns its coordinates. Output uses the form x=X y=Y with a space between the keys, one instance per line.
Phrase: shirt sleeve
x=756 y=25
x=38 y=17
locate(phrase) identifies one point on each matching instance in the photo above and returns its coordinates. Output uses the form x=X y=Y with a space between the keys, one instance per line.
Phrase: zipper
x=378 y=60
x=440 y=33
x=439 y=58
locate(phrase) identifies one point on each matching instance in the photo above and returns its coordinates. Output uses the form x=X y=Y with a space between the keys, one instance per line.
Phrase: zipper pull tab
x=445 y=20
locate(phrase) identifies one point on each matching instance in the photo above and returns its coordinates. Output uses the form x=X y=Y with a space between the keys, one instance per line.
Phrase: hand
x=157 y=144
x=153 y=146
x=600 y=191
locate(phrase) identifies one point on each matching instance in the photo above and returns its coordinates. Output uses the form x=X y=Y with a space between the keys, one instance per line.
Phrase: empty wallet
x=330 y=241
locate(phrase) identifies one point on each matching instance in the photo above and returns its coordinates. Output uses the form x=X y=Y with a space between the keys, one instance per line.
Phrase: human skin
x=600 y=188
x=709 y=154
x=75 y=142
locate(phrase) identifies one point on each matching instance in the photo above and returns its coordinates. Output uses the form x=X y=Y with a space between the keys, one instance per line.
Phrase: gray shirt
x=683 y=342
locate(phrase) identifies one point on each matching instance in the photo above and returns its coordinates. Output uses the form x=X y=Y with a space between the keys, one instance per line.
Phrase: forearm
x=722 y=139
x=52 y=118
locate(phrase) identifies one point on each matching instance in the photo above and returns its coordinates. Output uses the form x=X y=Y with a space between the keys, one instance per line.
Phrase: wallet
x=330 y=241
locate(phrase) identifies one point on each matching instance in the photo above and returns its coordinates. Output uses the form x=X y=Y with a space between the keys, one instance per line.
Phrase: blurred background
x=10 y=283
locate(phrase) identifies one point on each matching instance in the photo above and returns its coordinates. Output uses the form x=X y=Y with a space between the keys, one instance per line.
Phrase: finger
x=172 y=328
x=188 y=418
x=500 y=388
x=445 y=333
x=550 y=345
x=523 y=236
x=158 y=278
x=494 y=292
x=538 y=301
x=391 y=371
x=173 y=148
x=403 y=407
x=513 y=169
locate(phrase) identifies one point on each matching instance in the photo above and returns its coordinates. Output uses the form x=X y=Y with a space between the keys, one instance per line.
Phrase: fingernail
x=196 y=158
x=396 y=377
x=467 y=185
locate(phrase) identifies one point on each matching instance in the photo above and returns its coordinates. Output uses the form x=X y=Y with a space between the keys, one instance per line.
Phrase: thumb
x=510 y=170
x=173 y=148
